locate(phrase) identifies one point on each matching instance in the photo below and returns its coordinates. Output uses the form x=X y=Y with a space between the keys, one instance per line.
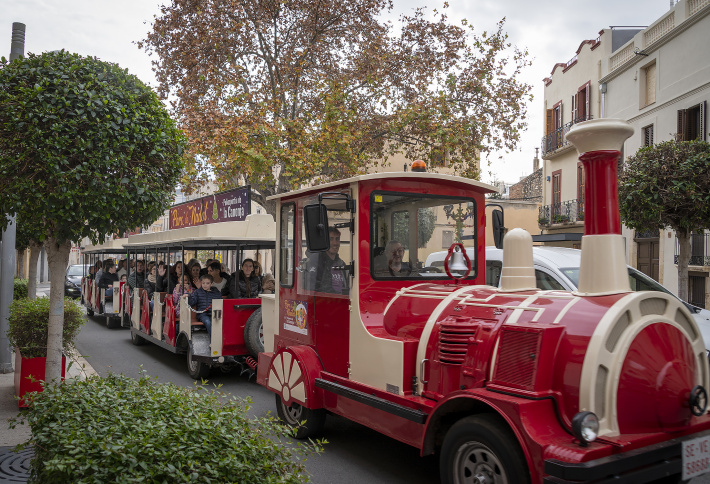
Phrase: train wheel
x=254 y=334
x=126 y=322
x=196 y=369
x=306 y=421
x=481 y=448
x=137 y=340
x=112 y=323
x=89 y=312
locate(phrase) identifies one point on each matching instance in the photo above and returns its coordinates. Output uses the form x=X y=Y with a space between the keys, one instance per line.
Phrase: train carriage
x=507 y=385
x=236 y=336
x=94 y=297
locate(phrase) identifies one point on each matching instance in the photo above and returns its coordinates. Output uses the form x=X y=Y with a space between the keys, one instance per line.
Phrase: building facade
x=658 y=79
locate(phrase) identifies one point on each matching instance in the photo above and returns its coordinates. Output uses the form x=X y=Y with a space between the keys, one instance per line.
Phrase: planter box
x=24 y=367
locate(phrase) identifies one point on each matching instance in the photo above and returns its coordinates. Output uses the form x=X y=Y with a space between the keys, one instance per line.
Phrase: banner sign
x=230 y=206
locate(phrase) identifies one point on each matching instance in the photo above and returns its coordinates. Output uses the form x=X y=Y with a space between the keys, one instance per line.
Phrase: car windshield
x=637 y=280
x=75 y=271
x=572 y=274
x=408 y=228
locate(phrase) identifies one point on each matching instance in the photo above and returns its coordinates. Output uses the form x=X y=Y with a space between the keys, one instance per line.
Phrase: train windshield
x=412 y=232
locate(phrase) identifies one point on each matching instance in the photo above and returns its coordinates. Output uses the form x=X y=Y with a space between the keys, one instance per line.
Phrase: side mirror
x=315 y=219
x=498 y=228
x=498 y=224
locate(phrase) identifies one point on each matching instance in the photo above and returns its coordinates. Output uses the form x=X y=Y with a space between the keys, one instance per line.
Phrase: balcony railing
x=561 y=213
x=699 y=250
x=556 y=140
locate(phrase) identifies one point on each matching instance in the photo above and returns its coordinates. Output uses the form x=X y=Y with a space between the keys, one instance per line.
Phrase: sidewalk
x=14 y=467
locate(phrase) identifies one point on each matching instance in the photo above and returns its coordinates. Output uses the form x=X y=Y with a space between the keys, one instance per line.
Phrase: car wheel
x=254 y=334
x=481 y=448
x=307 y=422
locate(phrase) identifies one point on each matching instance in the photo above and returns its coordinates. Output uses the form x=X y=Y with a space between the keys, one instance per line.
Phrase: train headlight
x=585 y=426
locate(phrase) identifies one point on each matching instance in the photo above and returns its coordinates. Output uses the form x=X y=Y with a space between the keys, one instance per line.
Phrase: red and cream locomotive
x=509 y=384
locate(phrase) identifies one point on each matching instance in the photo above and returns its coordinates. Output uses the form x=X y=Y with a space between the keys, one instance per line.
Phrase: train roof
x=111 y=247
x=408 y=176
x=257 y=231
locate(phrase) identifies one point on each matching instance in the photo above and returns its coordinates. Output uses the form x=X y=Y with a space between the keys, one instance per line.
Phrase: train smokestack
x=603 y=267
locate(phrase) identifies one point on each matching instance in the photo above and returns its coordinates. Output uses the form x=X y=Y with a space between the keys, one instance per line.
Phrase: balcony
x=556 y=140
x=699 y=250
x=568 y=212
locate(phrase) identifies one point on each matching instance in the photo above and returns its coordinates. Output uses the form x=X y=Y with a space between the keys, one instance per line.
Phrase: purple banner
x=229 y=206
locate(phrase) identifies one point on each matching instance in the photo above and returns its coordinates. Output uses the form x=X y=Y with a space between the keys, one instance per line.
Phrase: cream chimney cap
x=599 y=134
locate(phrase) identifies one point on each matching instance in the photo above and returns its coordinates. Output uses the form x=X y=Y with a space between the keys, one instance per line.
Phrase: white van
x=557 y=268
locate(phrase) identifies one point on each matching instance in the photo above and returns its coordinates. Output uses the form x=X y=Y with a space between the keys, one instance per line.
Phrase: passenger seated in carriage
x=202 y=299
x=108 y=278
x=179 y=290
x=220 y=279
x=245 y=284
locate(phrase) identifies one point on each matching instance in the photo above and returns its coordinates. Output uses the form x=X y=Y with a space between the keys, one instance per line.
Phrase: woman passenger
x=245 y=283
x=194 y=272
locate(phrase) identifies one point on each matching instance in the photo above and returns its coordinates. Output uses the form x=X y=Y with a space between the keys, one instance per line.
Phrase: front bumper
x=640 y=465
x=72 y=291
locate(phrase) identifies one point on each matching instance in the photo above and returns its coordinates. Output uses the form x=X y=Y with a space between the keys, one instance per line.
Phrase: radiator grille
x=454 y=340
x=517 y=358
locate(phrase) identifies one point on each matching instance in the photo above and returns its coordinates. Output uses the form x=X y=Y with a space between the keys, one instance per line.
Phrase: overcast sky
x=551 y=30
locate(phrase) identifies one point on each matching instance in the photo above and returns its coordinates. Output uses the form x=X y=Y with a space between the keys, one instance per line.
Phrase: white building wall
x=679 y=45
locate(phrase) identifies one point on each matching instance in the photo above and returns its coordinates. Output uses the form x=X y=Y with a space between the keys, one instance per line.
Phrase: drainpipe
x=602 y=89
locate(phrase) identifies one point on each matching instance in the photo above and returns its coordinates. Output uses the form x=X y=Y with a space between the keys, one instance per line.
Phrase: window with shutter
x=548 y=123
x=650 y=85
x=647 y=133
x=582 y=102
x=691 y=123
x=574 y=107
x=556 y=192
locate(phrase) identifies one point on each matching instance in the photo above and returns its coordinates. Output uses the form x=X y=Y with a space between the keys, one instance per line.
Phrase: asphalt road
x=354 y=454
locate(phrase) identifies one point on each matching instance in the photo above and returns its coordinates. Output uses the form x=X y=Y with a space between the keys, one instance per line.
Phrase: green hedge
x=119 y=429
x=29 y=322
x=20 y=289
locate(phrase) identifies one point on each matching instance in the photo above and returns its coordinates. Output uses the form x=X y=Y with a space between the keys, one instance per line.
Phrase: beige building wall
x=562 y=90
x=518 y=214
x=663 y=69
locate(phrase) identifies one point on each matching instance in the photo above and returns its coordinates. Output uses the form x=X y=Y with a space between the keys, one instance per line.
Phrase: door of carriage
x=315 y=286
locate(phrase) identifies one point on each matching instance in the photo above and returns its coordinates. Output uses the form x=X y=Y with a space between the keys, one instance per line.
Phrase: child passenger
x=180 y=289
x=202 y=299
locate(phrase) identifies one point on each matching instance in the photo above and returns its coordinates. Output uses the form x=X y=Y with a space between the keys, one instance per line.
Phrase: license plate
x=696 y=457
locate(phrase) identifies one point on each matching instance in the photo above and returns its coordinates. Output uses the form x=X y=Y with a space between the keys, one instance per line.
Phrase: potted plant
x=560 y=219
x=543 y=221
x=27 y=332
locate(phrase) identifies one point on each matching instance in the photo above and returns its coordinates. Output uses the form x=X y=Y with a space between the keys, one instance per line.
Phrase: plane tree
x=86 y=149
x=277 y=94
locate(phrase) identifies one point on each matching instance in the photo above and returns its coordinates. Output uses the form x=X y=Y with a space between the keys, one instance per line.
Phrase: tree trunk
x=58 y=257
x=35 y=249
x=683 y=260
x=21 y=263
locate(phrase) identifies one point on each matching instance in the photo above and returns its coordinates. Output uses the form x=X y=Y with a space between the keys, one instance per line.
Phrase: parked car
x=557 y=268
x=72 y=279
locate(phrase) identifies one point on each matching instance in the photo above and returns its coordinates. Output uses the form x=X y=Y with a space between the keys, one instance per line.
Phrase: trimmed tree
x=277 y=94
x=668 y=185
x=86 y=149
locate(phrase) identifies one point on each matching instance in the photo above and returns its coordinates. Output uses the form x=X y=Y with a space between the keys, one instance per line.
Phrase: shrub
x=28 y=322
x=20 y=289
x=120 y=429
x=543 y=221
